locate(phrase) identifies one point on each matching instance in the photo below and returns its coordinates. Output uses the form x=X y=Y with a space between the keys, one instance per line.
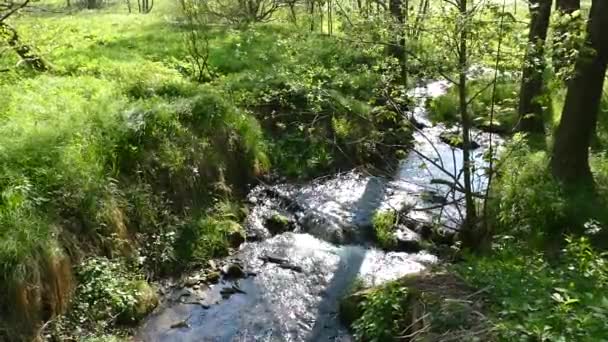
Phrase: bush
x=108 y=289
x=528 y=202
x=320 y=107
x=385 y=312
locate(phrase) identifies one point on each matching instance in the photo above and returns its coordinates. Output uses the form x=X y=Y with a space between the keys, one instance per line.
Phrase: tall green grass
x=74 y=150
x=117 y=153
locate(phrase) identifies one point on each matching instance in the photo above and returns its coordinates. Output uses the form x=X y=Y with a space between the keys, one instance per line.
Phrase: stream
x=307 y=244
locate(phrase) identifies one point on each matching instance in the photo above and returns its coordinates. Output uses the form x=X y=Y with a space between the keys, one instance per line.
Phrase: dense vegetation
x=128 y=141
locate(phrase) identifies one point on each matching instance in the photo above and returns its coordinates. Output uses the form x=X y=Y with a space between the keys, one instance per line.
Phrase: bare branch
x=13 y=8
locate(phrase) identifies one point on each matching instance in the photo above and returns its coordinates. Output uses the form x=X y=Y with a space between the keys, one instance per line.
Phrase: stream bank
x=307 y=244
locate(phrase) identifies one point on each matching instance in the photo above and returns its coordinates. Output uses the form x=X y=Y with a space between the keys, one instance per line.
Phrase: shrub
x=385 y=313
x=107 y=290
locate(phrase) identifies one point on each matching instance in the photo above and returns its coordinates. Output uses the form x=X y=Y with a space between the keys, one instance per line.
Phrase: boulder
x=278 y=223
x=191 y=281
x=407 y=240
x=494 y=127
x=236 y=234
x=233 y=271
x=433 y=197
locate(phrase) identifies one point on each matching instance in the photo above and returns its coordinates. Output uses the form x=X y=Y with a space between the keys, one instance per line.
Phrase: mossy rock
x=236 y=234
x=146 y=300
x=213 y=277
x=278 y=223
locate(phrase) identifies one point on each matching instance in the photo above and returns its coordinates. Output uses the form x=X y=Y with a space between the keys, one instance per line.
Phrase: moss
x=278 y=223
x=146 y=299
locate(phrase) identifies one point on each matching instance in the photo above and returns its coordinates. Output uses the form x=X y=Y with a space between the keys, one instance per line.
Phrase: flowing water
x=294 y=277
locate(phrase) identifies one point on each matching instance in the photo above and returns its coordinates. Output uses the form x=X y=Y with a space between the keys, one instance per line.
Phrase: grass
x=436 y=307
x=74 y=148
x=384 y=228
x=532 y=297
x=116 y=153
x=445 y=108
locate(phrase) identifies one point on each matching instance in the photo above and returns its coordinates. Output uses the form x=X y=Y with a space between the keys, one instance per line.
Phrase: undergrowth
x=536 y=298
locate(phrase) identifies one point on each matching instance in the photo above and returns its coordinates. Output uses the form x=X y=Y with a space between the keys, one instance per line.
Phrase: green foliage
x=107 y=290
x=529 y=203
x=534 y=298
x=210 y=236
x=601 y=134
x=568 y=37
x=384 y=227
x=445 y=108
x=55 y=140
x=526 y=199
x=318 y=104
x=385 y=313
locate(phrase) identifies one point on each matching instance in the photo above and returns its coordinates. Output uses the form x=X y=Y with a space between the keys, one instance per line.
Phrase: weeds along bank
x=89 y=172
x=116 y=168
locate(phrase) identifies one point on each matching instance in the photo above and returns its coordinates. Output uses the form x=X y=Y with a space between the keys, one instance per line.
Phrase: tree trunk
x=330 y=23
x=422 y=12
x=570 y=159
x=312 y=15
x=145 y=6
x=530 y=110
x=470 y=236
x=23 y=50
x=292 y=11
